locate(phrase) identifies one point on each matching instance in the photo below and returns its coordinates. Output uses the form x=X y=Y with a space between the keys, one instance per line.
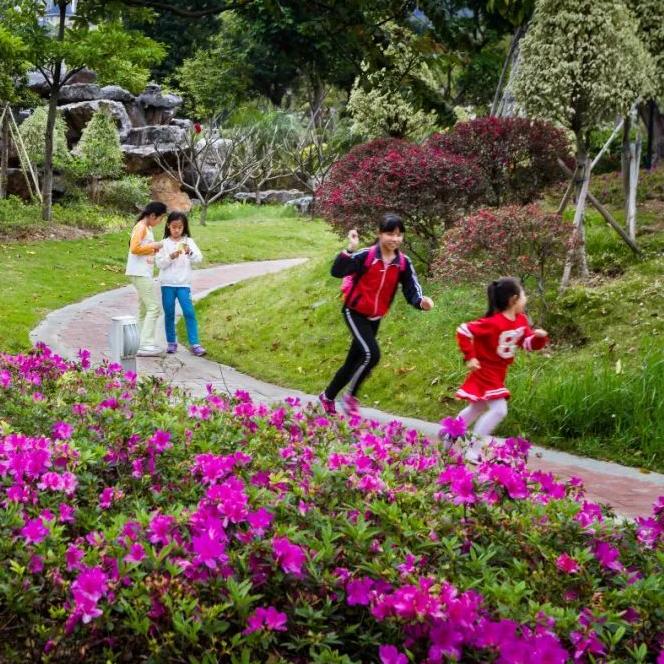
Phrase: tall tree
x=59 y=52
x=582 y=64
x=182 y=36
x=13 y=67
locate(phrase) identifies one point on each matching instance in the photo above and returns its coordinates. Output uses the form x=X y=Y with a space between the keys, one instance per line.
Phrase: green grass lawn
x=42 y=276
x=601 y=396
x=597 y=392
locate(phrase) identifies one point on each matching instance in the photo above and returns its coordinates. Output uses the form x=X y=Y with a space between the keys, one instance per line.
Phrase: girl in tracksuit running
x=376 y=273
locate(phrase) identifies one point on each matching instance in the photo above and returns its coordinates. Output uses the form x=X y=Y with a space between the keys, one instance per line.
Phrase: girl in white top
x=140 y=267
x=174 y=261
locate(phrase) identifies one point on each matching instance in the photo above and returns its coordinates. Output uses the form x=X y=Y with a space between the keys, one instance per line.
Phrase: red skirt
x=485 y=384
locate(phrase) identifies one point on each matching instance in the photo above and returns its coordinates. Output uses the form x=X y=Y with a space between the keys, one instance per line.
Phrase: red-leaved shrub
x=526 y=242
x=428 y=187
x=517 y=156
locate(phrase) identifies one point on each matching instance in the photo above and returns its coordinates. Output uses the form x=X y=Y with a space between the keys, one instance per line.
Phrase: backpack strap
x=371 y=255
x=402 y=261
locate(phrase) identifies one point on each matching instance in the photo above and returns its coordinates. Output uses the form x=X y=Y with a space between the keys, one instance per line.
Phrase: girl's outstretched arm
x=534 y=339
x=346 y=263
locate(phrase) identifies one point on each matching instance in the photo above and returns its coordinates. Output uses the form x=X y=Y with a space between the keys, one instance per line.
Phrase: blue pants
x=183 y=295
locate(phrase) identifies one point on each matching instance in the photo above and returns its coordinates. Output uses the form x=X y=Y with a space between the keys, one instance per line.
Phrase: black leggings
x=363 y=356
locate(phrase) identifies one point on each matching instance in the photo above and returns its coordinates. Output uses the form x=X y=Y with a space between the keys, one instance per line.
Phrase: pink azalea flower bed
x=139 y=525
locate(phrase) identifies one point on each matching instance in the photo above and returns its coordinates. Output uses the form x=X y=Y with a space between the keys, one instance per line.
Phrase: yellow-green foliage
x=582 y=62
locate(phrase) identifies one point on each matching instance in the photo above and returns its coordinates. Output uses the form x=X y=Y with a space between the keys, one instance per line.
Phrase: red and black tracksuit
x=369 y=300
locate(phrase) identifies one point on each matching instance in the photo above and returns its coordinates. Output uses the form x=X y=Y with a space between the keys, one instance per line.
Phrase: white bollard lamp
x=124 y=340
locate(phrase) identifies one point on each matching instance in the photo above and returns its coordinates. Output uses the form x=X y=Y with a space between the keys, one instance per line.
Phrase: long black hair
x=499 y=293
x=153 y=207
x=177 y=216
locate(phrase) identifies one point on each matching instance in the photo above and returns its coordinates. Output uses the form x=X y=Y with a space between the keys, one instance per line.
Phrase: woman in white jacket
x=174 y=261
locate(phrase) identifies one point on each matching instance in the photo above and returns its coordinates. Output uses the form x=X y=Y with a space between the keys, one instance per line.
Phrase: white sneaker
x=149 y=351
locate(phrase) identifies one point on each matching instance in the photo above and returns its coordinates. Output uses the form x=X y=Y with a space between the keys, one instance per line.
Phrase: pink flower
x=34 y=531
x=73 y=557
x=269 y=618
x=209 y=549
x=161 y=440
x=136 y=554
x=357 y=591
x=66 y=513
x=260 y=520
x=390 y=655
x=454 y=427
x=35 y=564
x=608 y=556
x=160 y=528
x=290 y=556
x=5 y=379
x=567 y=564
x=106 y=498
x=88 y=589
x=62 y=431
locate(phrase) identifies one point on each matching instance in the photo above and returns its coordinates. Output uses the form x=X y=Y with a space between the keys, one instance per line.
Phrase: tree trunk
x=568 y=193
x=203 y=216
x=577 y=252
x=4 y=153
x=635 y=158
x=509 y=59
x=47 y=183
x=626 y=163
x=654 y=120
x=507 y=106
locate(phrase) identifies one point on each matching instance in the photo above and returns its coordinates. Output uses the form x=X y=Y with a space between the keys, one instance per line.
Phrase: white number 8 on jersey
x=508 y=342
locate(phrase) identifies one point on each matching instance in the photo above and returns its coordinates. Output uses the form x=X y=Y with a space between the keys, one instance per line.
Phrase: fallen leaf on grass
x=404 y=370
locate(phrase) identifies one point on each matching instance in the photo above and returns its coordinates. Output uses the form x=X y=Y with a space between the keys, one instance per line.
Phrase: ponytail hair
x=500 y=292
x=153 y=207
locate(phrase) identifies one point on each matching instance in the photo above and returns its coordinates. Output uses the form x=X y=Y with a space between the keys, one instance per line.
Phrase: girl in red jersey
x=489 y=346
x=376 y=274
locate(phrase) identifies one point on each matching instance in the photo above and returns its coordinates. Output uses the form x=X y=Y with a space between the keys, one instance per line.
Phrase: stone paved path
x=86 y=325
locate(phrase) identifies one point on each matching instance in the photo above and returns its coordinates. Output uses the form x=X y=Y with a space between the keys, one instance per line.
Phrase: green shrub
x=127 y=194
x=99 y=148
x=141 y=526
x=16 y=214
x=32 y=132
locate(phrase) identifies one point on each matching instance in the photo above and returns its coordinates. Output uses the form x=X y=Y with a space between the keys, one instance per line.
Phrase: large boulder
x=165 y=189
x=38 y=84
x=158 y=108
x=84 y=76
x=144 y=144
x=155 y=135
x=17 y=185
x=182 y=123
x=70 y=94
x=78 y=115
x=270 y=196
x=302 y=205
x=116 y=93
